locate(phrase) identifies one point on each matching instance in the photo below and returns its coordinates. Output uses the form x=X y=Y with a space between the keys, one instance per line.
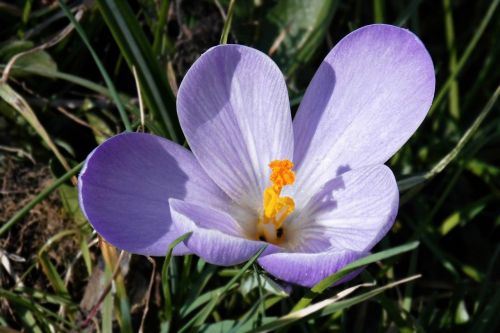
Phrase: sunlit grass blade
x=55 y=74
x=20 y=105
x=102 y=69
x=321 y=286
x=329 y=306
x=82 y=82
x=138 y=52
x=410 y=182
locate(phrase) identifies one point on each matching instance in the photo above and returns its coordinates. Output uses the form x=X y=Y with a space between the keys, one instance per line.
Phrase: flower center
x=276 y=208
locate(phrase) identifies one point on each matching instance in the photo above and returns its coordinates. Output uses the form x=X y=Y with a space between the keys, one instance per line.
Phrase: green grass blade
x=195 y=295
x=227 y=23
x=18 y=103
x=465 y=56
x=203 y=299
x=328 y=306
x=488 y=320
x=160 y=27
x=410 y=182
x=84 y=248
x=52 y=275
x=321 y=286
x=138 y=52
x=200 y=318
x=405 y=14
x=453 y=96
x=55 y=74
x=165 y=280
x=104 y=73
x=42 y=314
x=107 y=304
x=378 y=11
x=124 y=317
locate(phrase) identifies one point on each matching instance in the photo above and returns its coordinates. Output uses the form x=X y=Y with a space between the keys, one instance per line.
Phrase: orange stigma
x=276 y=208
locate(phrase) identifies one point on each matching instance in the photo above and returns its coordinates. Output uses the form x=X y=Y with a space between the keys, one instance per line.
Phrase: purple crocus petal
x=234 y=110
x=217 y=237
x=125 y=186
x=351 y=212
x=367 y=98
x=307 y=269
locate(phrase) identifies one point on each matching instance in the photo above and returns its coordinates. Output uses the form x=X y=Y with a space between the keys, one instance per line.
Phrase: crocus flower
x=315 y=188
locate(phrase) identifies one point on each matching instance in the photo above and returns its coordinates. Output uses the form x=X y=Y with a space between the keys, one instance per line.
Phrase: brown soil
x=20 y=182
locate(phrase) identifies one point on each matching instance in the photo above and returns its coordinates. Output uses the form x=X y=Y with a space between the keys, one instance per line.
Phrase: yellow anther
x=276 y=207
x=270 y=202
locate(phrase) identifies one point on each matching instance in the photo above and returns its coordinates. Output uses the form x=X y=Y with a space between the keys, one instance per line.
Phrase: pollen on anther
x=281 y=173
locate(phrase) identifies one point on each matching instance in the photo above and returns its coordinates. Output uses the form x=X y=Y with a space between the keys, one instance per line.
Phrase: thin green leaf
x=453 y=96
x=138 y=52
x=165 y=279
x=200 y=318
x=295 y=29
x=329 y=306
x=465 y=56
x=196 y=288
x=254 y=317
x=321 y=286
x=488 y=320
x=203 y=299
x=84 y=248
x=227 y=23
x=102 y=69
x=378 y=11
x=160 y=27
x=39 y=312
x=410 y=182
x=19 y=104
x=52 y=275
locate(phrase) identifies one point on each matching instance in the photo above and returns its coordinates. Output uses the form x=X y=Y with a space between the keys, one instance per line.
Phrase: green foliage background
x=74 y=86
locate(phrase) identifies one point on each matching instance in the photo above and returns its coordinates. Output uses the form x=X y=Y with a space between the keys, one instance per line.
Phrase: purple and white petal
x=307 y=269
x=234 y=110
x=350 y=212
x=217 y=238
x=125 y=186
x=367 y=98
